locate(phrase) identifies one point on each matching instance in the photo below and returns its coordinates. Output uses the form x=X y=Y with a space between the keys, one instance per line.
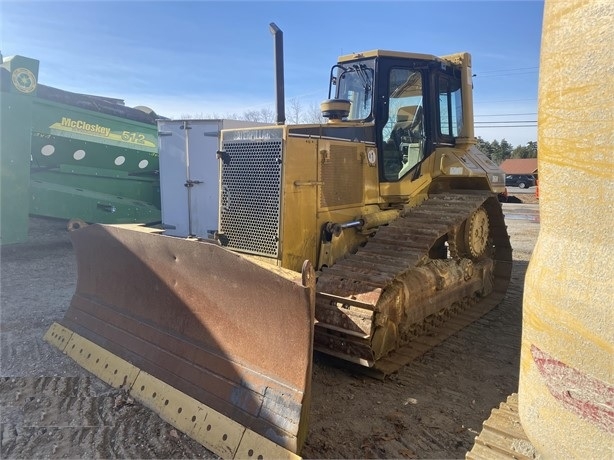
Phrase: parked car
x=520 y=180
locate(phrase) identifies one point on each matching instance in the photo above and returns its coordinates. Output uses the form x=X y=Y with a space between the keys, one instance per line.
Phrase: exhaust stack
x=279 y=73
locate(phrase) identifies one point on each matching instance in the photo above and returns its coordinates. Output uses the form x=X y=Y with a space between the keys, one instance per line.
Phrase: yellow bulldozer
x=356 y=237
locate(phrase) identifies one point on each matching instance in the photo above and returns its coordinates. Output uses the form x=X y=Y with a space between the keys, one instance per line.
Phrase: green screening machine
x=70 y=156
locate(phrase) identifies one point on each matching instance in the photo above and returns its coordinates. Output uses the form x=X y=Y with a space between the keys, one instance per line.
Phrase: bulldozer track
x=349 y=291
x=502 y=436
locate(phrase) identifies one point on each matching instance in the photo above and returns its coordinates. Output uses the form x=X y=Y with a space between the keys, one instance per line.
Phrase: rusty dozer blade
x=216 y=344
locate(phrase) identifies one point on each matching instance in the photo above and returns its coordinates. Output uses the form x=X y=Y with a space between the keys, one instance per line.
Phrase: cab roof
x=398 y=54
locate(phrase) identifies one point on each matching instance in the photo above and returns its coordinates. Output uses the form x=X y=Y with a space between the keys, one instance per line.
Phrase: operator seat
x=404 y=148
x=408 y=127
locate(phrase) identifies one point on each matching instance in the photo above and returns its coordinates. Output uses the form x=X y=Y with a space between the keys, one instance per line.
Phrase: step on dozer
x=217 y=345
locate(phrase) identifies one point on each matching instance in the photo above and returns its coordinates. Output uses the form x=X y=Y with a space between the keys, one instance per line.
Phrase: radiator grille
x=250 y=196
x=342 y=177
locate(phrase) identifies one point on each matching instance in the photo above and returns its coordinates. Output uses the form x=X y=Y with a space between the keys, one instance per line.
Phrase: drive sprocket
x=472 y=238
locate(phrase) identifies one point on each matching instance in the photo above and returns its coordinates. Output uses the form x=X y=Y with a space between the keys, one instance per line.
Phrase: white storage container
x=189 y=180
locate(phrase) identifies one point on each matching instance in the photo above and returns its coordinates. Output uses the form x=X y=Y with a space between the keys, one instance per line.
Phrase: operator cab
x=413 y=101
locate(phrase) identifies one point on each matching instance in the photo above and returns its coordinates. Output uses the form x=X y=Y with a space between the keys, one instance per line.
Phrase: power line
x=509 y=70
x=506 y=114
x=505 y=122
x=507 y=126
x=506 y=71
x=477 y=75
x=505 y=100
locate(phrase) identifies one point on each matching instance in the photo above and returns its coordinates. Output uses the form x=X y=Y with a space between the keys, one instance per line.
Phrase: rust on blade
x=227 y=332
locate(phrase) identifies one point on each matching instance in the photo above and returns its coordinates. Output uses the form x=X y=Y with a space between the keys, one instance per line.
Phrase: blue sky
x=216 y=57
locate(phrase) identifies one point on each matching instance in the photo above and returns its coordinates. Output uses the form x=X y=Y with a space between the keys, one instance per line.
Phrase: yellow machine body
x=320 y=173
x=391 y=204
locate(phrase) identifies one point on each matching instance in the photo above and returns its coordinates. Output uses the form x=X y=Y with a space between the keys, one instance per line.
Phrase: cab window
x=403 y=134
x=450 y=107
x=355 y=84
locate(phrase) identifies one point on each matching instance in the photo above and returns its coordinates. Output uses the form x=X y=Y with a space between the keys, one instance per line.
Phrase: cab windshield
x=355 y=84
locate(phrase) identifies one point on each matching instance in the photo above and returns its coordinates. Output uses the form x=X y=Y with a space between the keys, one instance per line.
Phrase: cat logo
x=24 y=80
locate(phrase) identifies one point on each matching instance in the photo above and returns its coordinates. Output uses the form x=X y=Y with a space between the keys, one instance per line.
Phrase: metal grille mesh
x=250 y=198
x=342 y=177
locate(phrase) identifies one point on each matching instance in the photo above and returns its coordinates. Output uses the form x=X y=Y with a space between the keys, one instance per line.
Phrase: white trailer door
x=189 y=176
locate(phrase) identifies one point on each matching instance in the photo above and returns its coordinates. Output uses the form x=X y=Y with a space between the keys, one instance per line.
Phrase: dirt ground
x=433 y=408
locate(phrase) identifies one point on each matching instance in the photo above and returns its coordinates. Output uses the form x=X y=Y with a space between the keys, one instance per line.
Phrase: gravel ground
x=433 y=408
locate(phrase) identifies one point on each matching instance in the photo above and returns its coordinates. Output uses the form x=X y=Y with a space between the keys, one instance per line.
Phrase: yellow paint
x=102 y=363
x=94 y=129
x=306 y=180
x=83 y=126
x=218 y=433
x=255 y=446
x=300 y=232
x=210 y=428
x=569 y=288
x=569 y=329
x=58 y=336
x=304 y=214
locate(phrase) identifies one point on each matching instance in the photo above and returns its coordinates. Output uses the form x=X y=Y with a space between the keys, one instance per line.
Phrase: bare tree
x=199 y=116
x=293 y=113
x=264 y=115
x=314 y=114
x=267 y=115
x=251 y=115
x=231 y=116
